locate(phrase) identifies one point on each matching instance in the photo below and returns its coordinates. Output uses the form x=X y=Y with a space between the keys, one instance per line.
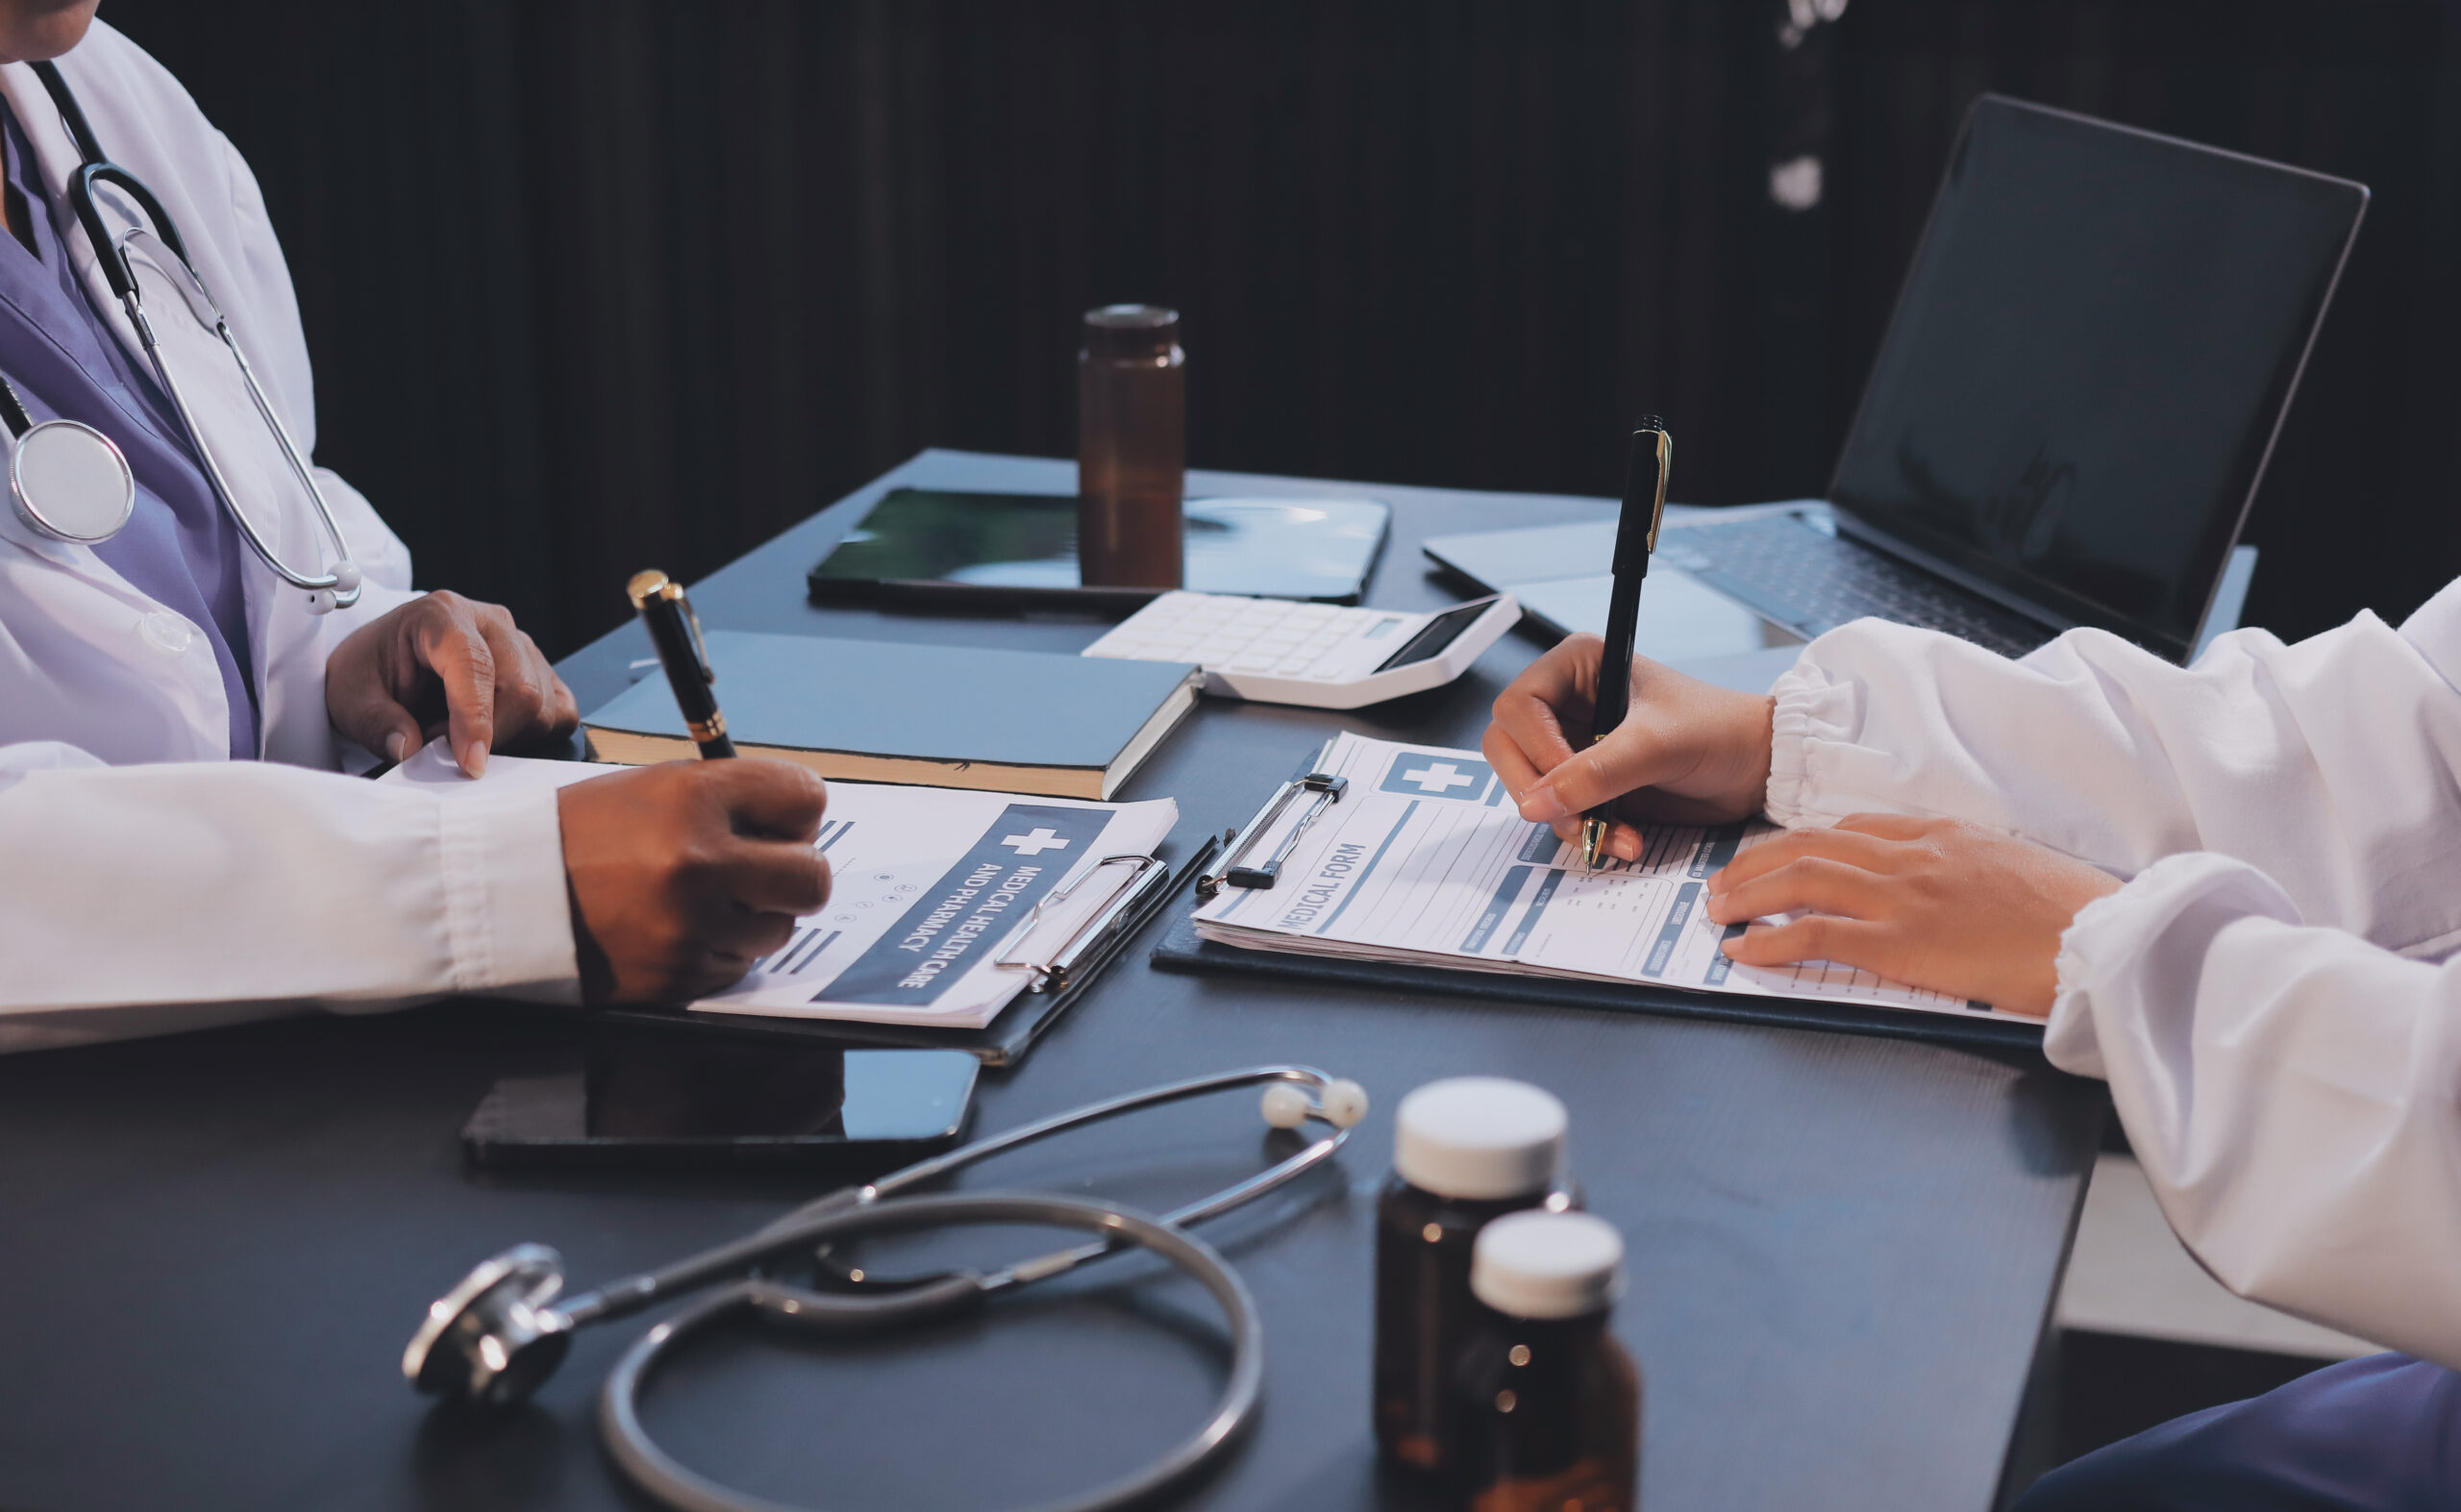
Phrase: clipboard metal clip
x=1092 y=937
x=1327 y=790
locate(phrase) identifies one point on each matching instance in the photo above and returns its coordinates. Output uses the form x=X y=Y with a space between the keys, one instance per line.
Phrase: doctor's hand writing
x=444 y=661
x=1688 y=752
x=682 y=874
x=1931 y=902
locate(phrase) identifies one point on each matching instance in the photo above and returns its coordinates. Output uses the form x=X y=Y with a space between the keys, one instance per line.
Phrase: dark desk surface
x=212 y=1246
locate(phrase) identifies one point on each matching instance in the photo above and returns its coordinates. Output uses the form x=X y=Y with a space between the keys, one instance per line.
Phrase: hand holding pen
x=1587 y=731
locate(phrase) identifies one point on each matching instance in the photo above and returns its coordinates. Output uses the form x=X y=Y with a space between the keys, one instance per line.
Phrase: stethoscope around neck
x=69 y=481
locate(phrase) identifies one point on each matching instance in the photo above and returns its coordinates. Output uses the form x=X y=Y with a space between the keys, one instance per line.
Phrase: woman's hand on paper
x=683 y=874
x=1931 y=903
x=1688 y=752
x=444 y=661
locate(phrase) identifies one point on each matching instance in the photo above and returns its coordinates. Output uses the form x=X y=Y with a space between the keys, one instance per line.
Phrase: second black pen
x=1635 y=538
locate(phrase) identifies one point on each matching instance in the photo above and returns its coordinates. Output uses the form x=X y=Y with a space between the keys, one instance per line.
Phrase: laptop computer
x=2070 y=414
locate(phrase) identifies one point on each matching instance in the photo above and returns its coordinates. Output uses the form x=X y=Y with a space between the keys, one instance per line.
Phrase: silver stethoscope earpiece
x=77 y=508
x=497 y=1336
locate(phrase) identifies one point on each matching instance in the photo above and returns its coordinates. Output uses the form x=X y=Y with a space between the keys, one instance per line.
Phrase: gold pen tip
x=643 y=584
x=1593 y=842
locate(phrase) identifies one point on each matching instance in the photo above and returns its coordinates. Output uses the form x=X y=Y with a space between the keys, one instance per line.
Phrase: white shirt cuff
x=1810 y=710
x=507 y=917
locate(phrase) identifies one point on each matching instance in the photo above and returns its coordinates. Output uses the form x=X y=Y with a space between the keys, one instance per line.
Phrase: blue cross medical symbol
x=1034 y=842
x=1422 y=776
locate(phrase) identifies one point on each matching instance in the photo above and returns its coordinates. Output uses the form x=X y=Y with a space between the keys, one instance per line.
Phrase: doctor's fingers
x=783 y=878
x=1535 y=709
x=1872 y=852
x=1875 y=947
x=1662 y=766
x=1518 y=776
x=444 y=635
x=1810 y=882
x=532 y=704
x=764 y=798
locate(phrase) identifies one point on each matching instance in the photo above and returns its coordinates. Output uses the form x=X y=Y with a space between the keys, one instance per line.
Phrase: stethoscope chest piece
x=69 y=482
x=493 y=1338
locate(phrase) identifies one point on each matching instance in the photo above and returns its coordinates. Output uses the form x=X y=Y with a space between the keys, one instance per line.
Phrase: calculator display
x=1439 y=632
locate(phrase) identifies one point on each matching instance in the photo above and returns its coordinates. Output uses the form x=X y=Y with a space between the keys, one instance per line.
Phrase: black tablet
x=942 y=549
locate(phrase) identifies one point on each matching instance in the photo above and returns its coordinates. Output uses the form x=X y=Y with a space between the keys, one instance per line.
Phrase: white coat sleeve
x=2330 y=764
x=2290 y=818
x=145 y=899
x=2291 y=1092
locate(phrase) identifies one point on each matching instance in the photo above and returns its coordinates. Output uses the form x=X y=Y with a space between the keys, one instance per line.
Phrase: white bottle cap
x=1548 y=1265
x=1479 y=1138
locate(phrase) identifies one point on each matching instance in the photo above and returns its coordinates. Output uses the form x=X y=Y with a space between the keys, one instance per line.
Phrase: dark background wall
x=597 y=284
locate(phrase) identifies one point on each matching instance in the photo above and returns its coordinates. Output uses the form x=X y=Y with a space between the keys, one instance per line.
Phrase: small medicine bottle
x=1544 y=1409
x=1465 y=1151
x=1131 y=449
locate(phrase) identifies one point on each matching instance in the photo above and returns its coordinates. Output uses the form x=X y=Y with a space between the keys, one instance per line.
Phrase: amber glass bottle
x=1544 y=1410
x=1465 y=1151
x=1132 y=448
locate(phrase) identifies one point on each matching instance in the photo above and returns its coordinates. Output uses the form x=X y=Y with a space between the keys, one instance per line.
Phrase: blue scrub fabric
x=66 y=362
x=2379 y=1434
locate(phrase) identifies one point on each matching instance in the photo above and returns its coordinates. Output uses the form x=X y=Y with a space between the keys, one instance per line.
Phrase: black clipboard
x=1182 y=950
x=1063 y=971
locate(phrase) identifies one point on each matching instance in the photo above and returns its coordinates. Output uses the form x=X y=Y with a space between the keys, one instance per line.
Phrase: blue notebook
x=936 y=716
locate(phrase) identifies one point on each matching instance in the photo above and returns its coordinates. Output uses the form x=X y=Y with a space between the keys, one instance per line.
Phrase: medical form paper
x=928 y=886
x=1424 y=861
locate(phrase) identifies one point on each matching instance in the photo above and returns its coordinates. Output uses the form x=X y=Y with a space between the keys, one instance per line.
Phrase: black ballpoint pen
x=676 y=632
x=1635 y=538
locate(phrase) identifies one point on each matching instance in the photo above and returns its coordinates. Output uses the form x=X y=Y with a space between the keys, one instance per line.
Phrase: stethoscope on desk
x=494 y=1338
x=67 y=481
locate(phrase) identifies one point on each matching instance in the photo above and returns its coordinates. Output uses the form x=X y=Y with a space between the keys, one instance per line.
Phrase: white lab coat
x=149 y=883
x=2272 y=996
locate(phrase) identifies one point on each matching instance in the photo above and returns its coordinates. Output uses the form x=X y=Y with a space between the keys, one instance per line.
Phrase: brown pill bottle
x=1544 y=1409
x=1132 y=448
x=1465 y=1151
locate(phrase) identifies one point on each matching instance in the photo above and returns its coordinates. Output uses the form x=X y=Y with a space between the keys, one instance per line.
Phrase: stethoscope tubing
x=338 y=588
x=499 y=1333
x=640 y=1458
x=796 y=1229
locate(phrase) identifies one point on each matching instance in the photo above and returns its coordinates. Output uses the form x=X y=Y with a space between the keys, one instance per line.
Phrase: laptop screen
x=2094 y=348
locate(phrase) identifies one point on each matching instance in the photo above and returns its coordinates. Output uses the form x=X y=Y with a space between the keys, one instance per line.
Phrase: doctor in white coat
x=2235 y=891
x=149 y=881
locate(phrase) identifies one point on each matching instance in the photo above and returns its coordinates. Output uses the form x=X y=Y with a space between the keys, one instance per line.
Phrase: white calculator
x=1282 y=651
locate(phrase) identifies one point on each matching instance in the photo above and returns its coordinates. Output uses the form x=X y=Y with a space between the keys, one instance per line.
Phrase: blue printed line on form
x=1539 y=902
x=814 y=953
x=1360 y=885
x=1719 y=962
x=1496 y=909
x=1717 y=848
x=1664 y=950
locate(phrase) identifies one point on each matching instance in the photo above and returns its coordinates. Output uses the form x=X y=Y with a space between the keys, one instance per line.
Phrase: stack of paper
x=1424 y=861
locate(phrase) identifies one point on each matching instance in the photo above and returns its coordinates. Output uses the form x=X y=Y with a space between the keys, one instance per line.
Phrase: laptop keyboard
x=1811 y=582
